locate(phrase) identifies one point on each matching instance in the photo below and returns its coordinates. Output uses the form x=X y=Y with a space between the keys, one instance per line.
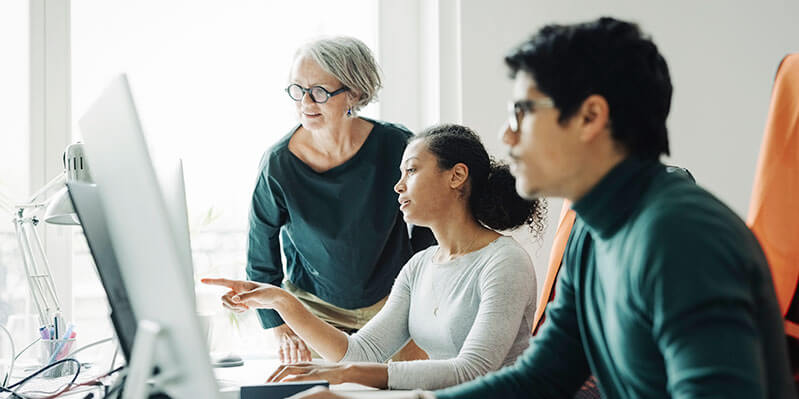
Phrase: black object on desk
x=278 y=390
x=228 y=360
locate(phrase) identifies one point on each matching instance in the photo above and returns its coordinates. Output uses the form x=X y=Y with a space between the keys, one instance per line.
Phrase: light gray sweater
x=472 y=315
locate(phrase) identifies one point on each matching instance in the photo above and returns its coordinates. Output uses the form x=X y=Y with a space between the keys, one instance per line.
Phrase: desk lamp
x=58 y=210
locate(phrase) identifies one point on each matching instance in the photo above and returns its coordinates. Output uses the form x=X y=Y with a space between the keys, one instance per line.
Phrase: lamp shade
x=60 y=210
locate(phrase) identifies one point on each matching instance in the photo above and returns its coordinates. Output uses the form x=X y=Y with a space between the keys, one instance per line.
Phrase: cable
x=52 y=394
x=13 y=357
x=114 y=358
x=82 y=348
x=95 y=380
x=20 y=353
x=42 y=370
x=13 y=394
x=67 y=387
x=117 y=388
x=70 y=387
x=26 y=348
x=114 y=389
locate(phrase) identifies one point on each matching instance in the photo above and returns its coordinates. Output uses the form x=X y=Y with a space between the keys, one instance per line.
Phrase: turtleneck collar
x=608 y=205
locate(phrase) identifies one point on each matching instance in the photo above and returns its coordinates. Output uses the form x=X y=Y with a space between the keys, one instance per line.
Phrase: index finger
x=223 y=282
x=275 y=373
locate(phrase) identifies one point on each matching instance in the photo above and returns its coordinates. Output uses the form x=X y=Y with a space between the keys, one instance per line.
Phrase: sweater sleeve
x=704 y=315
x=268 y=214
x=554 y=366
x=507 y=288
x=387 y=332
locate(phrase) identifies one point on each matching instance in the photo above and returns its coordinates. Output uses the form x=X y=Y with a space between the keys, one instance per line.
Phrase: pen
x=60 y=345
x=55 y=326
x=42 y=332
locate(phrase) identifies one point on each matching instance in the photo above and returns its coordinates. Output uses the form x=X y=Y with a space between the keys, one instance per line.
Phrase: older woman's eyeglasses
x=318 y=93
x=517 y=110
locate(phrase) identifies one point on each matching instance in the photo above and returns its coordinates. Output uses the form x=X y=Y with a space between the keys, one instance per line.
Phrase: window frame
x=50 y=125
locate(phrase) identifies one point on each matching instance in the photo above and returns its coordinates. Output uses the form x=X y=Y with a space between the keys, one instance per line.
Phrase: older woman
x=326 y=189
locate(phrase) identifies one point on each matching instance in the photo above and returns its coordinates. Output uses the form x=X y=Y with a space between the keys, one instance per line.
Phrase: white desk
x=256 y=371
x=42 y=384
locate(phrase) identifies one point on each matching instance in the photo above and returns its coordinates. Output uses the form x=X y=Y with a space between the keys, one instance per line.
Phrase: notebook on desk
x=278 y=390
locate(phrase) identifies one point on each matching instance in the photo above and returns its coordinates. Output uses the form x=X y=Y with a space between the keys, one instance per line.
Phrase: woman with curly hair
x=468 y=301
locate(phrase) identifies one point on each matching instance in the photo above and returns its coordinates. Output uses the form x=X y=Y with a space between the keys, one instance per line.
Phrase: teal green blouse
x=343 y=235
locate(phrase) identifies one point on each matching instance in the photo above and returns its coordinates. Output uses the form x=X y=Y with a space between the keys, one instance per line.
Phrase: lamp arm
x=53 y=183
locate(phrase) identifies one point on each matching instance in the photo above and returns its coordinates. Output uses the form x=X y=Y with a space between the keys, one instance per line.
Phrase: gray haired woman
x=326 y=188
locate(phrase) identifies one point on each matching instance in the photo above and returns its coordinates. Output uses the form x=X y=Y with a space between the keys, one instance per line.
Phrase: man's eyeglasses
x=517 y=110
x=318 y=93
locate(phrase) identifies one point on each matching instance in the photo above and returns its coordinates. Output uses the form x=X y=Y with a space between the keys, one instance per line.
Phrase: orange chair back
x=774 y=209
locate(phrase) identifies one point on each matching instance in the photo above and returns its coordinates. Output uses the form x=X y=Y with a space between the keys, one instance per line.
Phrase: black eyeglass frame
x=309 y=91
x=518 y=109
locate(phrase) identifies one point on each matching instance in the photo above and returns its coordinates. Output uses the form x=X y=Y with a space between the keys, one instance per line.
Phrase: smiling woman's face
x=425 y=192
x=307 y=73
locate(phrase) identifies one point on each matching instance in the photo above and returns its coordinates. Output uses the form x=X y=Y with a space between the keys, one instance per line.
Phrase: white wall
x=722 y=56
x=419 y=53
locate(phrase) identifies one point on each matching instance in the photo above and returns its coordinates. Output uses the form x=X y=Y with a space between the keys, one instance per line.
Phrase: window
x=208 y=78
x=15 y=310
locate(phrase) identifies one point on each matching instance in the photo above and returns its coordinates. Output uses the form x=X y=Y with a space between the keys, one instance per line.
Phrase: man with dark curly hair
x=664 y=292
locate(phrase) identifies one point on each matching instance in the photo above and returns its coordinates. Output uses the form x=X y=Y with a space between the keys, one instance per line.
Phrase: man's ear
x=458 y=176
x=593 y=117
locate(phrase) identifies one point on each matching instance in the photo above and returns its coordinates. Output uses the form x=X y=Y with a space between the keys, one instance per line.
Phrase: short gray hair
x=351 y=62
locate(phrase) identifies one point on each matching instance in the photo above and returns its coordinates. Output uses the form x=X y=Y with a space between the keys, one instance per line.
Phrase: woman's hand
x=325 y=339
x=292 y=348
x=317 y=393
x=369 y=374
x=332 y=373
x=244 y=295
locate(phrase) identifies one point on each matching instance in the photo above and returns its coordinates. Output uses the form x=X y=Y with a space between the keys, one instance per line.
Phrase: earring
x=349 y=111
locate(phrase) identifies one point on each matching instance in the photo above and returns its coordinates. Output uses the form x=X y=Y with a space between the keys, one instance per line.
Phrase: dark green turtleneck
x=664 y=293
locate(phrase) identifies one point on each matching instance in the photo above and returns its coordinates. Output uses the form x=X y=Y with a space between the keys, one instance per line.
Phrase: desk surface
x=255 y=371
x=41 y=386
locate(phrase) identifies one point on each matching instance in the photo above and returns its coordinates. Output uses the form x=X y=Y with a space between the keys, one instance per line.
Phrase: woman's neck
x=338 y=140
x=460 y=234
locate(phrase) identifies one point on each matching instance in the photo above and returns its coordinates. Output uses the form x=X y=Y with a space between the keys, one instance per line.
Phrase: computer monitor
x=90 y=212
x=147 y=247
x=173 y=187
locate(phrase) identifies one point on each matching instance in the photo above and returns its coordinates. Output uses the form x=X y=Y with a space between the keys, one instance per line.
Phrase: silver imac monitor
x=151 y=251
x=173 y=186
x=92 y=218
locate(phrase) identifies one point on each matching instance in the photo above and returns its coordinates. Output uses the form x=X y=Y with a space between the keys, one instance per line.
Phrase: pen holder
x=46 y=349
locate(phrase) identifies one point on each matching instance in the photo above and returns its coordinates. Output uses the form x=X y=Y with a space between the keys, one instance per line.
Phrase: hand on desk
x=324 y=393
x=369 y=374
x=292 y=348
x=332 y=373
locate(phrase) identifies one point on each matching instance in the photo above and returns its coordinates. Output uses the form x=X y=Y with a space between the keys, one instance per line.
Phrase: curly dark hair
x=607 y=57
x=493 y=199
